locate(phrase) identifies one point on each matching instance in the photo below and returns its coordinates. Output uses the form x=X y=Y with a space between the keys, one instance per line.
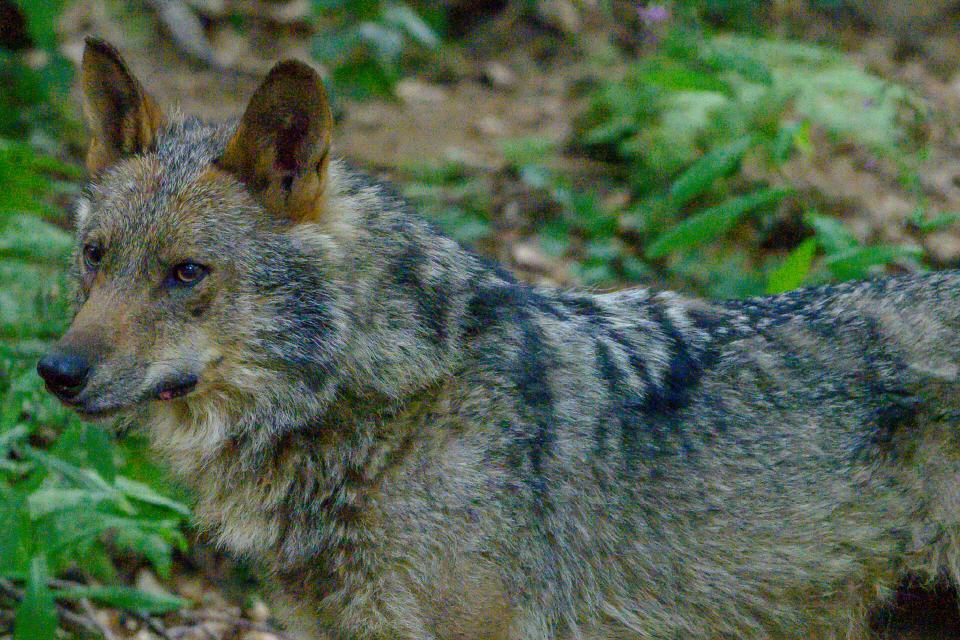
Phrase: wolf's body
x=415 y=445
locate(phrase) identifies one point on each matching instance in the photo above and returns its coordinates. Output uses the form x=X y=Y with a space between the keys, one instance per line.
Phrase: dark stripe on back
x=684 y=368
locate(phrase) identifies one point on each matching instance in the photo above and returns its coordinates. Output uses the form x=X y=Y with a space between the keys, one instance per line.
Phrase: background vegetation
x=700 y=146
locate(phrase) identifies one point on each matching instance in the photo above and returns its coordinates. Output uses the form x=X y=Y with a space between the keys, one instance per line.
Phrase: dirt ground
x=506 y=83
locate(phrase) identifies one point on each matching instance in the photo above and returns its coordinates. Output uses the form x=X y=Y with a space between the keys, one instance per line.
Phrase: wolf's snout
x=65 y=373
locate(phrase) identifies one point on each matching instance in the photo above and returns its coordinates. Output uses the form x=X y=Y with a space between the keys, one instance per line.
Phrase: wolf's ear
x=122 y=119
x=280 y=150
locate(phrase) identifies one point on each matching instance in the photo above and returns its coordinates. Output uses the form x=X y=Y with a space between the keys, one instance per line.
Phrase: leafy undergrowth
x=74 y=503
x=72 y=500
x=700 y=138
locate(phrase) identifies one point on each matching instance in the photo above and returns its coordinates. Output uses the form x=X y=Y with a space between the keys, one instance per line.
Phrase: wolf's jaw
x=104 y=416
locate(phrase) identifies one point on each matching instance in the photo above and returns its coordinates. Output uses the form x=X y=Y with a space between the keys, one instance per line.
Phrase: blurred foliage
x=450 y=196
x=33 y=102
x=700 y=132
x=367 y=43
x=684 y=121
x=71 y=499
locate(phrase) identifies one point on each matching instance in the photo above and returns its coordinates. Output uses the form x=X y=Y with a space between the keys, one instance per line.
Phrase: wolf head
x=207 y=256
x=233 y=274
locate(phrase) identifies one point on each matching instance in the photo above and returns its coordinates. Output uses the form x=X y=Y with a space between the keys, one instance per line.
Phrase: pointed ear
x=121 y=118
x=280 y=150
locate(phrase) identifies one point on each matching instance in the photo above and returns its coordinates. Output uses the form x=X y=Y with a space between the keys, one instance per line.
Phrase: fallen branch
x=71 y=620
x=88 y=610
x=91 y=626
x=235 y=621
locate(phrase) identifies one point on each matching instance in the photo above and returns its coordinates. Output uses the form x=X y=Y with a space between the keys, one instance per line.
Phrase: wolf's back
x=783 y=460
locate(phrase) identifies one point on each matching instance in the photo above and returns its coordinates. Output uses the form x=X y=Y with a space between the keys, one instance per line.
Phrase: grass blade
x=712 y=223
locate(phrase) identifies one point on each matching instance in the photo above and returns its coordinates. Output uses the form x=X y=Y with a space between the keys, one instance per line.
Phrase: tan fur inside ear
x=121 y=118
x=280 y=150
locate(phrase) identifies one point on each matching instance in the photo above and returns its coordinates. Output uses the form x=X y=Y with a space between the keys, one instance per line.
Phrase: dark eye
x=92 y=255
x=188 y=273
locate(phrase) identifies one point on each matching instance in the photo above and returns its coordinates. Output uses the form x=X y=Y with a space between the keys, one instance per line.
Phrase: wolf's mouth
x=97 y=413
x=177 y=388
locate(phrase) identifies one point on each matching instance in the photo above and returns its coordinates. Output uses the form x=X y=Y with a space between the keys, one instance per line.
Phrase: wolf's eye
x=188 y=273
x=92 y=255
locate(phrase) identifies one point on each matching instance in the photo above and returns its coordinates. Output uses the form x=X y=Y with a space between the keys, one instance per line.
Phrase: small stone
x=471 y=159
x=491 y=126
x=943 y=247
x=229 y=44
x=258 y=611
x=259 y=635
x=562 y=14
x=528 y=256
x=190 y=588
x=146 y=581
x=36 y=58
x=414 y=90
x=616 y=200
x=72 y=50
x=499 y=75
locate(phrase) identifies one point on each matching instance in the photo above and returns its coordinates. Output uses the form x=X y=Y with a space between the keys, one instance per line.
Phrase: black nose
x=65 y=374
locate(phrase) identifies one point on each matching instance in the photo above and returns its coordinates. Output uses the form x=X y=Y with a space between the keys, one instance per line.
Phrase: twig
x=104 y=629
x=153 y=624
x=235 y=621
x=74 y=621
x=91 y=626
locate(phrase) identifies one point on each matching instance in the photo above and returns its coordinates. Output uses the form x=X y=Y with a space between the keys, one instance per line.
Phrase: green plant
x=33 y=102
x=71 y=499
x=453 y=198
x=365 y=43
x=682 y=125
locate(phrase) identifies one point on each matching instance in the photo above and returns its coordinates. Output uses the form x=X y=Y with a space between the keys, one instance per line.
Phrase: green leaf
x=857 y=262
x=830 y=233
x=719 y=162
x=41 y=19
x=940 y=222
x=44 y=502
x=126 y=598
x=143 y=493
x=99 y=451
x=36 y=616
x=403 y=16
x=15 y=534
x=674 y=77
x=153 y=547
x=794 y=270
x=529 y=150
x=11 y=437
x=712 y=223
x=87 y=478
x=748 y=67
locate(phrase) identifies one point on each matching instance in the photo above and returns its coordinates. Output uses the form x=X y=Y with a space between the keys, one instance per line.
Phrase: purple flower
x=869 y=102
x=654 y=14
